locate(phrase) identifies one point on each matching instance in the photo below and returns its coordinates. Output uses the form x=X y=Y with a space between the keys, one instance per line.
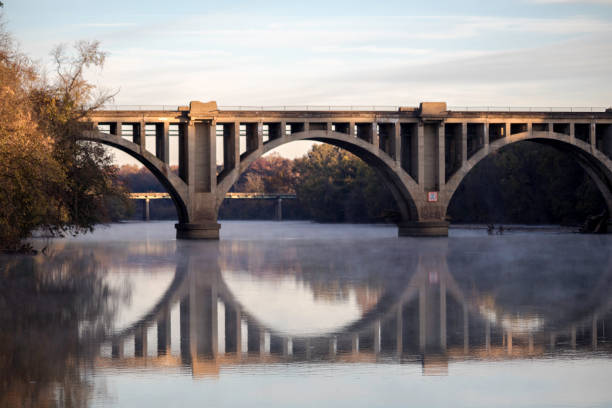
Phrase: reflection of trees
x=52 y=311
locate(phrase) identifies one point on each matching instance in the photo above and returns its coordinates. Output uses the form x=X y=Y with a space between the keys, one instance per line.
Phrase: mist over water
x=289 y=313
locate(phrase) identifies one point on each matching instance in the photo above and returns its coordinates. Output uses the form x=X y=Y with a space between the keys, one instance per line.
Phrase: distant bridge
x=278 y=212
x=422 y=153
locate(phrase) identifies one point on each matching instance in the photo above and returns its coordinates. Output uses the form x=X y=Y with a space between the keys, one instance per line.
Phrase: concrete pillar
x=488 y=335
x=486 y=138
x=355 y=343
x=374 y=137
x=551 y=128
x=259 y=131
x=201 y=151
x=163 y=333
x=593 y=136
x=441 y=157
x=399 y=332
x=397 y=143
x=572 y=129
x=594 y=332
x=162 y=141
x=116 y=129
x=443 y=314
x=377 y=337
x=147 y=209
x=233 y=329
x=466 y=330
x=231 y=146
x=422 y=318
x=530 y=128
x=255 y=339
x=283 y=129
x=117 y=348
x=185 y=331
x=140 y=136
x=287 y=347
x=279 y=209
x=553 y=341
x=203 y=321
x=140 y=342
x=351 y=129
x=183 y=155
x=509 y=341
x=463 y=143
x=333 y=347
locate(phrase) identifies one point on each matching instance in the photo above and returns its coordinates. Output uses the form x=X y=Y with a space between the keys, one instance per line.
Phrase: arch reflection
x=431 y=305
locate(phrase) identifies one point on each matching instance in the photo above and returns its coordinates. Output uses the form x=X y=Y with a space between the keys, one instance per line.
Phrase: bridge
x=428 y=318
x=422 y=153
x=278 y=211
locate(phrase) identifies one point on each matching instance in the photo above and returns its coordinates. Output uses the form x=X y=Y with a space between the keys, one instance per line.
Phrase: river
x=299 y=314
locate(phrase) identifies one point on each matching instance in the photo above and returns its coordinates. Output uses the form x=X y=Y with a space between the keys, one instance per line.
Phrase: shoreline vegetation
x=48 y=179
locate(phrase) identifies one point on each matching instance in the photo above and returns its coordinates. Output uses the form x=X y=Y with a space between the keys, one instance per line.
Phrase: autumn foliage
x=48 y=180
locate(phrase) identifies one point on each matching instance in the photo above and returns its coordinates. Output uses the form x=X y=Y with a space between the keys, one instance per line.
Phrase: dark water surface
x=303 y=315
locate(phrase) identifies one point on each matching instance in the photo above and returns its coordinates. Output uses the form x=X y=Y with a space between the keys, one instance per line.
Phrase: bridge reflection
x=421 y=313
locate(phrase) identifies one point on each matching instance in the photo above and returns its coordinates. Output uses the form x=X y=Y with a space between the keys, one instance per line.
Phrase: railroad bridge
x=422 y=153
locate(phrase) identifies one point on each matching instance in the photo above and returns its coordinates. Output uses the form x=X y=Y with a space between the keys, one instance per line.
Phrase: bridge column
x=431 y=178
x=117 y=348
x=162 y=141
x=279 y=209
x=147 y=209
x=202 y=180
x=397 y=143
x=463 y=143
x=140 y=342
x=163 y=333
x=233 y=332
x=140 y=136
x=399 y=331
x=185 y=324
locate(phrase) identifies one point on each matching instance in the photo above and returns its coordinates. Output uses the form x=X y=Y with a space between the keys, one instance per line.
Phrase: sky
x=537 y=53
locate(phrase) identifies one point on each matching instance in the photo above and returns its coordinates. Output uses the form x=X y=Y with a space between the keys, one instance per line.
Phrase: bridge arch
x=174 y=185
x=595 y=163
x=401 y=185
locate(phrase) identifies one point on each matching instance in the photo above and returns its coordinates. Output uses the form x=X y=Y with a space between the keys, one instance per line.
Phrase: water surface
x=302 y=314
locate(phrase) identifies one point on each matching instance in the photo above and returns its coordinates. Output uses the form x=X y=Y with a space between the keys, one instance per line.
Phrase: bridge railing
x=169 y=108
x=527 y=109
x=378 y=108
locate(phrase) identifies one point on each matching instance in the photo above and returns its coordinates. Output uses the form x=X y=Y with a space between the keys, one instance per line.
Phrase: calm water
x=302 y=315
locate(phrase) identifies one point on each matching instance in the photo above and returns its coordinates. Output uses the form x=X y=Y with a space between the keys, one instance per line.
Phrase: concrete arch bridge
x=422 y=153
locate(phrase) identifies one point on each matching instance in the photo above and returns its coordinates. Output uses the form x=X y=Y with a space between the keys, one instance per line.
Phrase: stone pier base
x=423 y=229
x=206 y=230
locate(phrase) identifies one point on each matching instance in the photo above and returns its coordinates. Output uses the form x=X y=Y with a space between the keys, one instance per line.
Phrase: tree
x=335 y=185
x=48 y=179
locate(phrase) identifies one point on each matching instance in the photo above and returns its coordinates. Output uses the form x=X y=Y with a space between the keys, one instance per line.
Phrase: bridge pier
x=430 y=228
x=202 y=230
